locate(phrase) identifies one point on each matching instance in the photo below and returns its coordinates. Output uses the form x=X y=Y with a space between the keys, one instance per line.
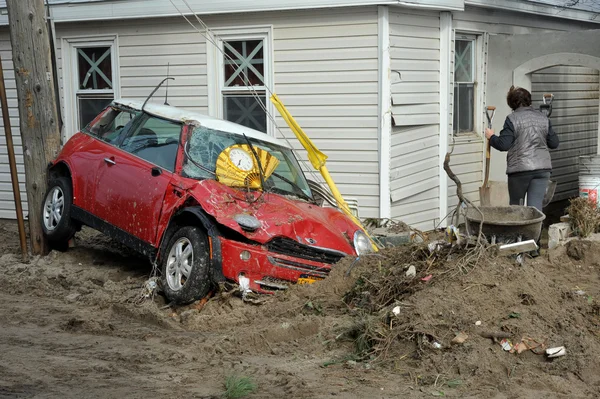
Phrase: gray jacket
x=530 y=148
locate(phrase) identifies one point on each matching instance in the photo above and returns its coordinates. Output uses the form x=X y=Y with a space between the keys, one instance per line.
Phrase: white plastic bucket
x=589 y=187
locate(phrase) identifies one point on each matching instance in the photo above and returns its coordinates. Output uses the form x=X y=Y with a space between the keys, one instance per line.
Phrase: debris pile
x=584 y=217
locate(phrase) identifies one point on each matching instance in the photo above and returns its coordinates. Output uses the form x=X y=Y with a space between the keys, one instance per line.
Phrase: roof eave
x=537 y=9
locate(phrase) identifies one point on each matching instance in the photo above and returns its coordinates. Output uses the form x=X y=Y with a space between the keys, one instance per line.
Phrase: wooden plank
x=415 y=65
x=322 y=31
x=408 y=110
x=412 y=169
x=410 y=158
x=326 y=88
x=416 y=87
x=341 y=54
x=415 y=119
x=415 y=98
x=415 y=42
x=402 y=135
x=414 y=146
x=414 y=189
x=349 y=77
x=406 y=19
x=401 y=53
x=325 y=66
x=431 y=32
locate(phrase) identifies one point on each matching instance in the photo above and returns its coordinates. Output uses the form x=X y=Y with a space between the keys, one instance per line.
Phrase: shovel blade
x=495 y=194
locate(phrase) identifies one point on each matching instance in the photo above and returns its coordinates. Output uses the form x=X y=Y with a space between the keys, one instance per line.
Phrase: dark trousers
x=532 y=183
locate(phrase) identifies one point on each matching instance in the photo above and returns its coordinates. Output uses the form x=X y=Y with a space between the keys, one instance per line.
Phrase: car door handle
x=110 y=161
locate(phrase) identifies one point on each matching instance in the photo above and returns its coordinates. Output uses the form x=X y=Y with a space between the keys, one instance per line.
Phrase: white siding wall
x=325 y=70
x=7 y=207
x=415 y=54
x=574 y=118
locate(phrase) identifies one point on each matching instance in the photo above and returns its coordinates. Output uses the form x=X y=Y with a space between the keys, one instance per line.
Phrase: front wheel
x=57 y=224
x=184 y=269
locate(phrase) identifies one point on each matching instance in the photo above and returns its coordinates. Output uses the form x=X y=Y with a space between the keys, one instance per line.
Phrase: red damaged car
x=207 y=199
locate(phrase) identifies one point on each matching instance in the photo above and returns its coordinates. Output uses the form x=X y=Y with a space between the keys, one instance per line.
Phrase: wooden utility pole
x=37 y=105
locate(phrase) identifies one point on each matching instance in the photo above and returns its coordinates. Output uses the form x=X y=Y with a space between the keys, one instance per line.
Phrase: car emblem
x=311 y=241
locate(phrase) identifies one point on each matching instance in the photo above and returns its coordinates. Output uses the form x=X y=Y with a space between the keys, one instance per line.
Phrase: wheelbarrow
x=507 y=224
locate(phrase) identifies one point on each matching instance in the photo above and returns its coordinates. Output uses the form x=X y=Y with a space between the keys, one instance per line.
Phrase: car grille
x=288 y=247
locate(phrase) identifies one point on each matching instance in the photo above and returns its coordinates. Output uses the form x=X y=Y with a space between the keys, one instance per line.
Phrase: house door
x=565 y=64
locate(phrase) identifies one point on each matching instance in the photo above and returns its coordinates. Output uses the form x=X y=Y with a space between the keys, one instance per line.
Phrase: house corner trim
x=445 y=122
x=384 y=111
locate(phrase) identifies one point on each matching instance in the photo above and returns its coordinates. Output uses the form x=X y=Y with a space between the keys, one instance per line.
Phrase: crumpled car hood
x=279 y=216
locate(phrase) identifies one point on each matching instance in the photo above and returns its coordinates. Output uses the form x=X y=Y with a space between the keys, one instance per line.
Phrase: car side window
x=155 y=140
x=111 y=123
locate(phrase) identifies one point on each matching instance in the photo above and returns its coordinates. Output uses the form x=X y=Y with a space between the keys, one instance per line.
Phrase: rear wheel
x=57 y=225
x=185 y=267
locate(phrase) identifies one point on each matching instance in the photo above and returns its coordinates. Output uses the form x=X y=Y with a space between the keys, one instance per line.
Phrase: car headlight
x=362 y=243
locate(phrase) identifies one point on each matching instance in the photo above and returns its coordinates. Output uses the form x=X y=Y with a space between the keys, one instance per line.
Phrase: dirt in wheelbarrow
x=78 y=324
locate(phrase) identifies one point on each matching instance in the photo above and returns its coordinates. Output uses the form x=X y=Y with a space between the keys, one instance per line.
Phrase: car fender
x=57 y=164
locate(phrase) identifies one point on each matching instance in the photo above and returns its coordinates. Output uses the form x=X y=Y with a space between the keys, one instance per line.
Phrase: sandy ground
x=77 y=324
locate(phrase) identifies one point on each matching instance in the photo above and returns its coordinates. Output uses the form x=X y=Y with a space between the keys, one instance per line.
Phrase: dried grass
x=584 y=217
x=378 y=290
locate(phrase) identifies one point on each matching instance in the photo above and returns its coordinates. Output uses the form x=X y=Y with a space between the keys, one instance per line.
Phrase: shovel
x=484 y=191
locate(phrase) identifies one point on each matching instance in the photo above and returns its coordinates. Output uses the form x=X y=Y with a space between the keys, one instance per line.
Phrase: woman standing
x=527 y=135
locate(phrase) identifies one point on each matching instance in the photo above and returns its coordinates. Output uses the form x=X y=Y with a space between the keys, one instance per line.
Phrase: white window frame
x=478 y=87
x=69 y=46
x=216 y=69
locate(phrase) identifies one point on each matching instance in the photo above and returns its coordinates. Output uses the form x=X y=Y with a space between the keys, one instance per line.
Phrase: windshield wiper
x=297 y=189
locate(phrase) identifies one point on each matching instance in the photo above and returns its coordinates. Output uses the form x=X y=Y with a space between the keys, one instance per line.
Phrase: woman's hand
x=489 y=133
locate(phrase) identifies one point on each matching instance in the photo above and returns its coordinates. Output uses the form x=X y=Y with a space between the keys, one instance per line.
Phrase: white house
x=384 y=87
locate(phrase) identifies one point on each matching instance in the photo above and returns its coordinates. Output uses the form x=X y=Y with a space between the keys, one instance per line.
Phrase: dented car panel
x=135 y=182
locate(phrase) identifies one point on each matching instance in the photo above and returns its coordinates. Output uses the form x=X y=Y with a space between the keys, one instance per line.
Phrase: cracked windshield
x=206 y=144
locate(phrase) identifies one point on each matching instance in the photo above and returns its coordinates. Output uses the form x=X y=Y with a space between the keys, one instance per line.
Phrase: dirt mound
x=372 y=313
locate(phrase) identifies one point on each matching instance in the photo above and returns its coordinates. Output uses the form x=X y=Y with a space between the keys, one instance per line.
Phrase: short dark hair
x=518 y=97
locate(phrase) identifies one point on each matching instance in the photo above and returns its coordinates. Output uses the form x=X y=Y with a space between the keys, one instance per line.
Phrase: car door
x=95 y=143
x=131 y=185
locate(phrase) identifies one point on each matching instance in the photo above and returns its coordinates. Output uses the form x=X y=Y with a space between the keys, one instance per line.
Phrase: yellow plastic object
x=318 y=160
x=246 y=172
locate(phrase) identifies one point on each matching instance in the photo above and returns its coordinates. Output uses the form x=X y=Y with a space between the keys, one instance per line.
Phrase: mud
x=78 y=324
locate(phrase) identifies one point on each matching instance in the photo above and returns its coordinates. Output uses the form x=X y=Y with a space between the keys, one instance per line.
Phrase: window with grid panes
x=94 y=80
x=243 y=86
x=464 y=83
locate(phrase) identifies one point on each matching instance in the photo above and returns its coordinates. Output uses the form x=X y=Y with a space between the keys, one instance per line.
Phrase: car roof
x=183 y=115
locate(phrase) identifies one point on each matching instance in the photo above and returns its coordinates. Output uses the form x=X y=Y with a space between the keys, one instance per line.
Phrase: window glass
x=464 y=84
x=205 y=145
x=246 y=110
x=110 y=125
x=244 y=63
x=243 y=85
x=155 y=140
x=94 y=81
x=95 y=68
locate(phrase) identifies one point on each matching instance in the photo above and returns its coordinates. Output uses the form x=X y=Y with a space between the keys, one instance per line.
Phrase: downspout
x=445 y=103
x=384 y=111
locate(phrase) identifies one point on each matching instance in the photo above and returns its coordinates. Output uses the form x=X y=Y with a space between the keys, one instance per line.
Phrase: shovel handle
x=547 y=98
x=490 y=117
x=487 y=163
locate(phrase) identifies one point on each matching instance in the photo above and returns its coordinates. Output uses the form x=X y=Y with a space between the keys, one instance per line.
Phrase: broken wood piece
x=495 y=335
x=518 y=247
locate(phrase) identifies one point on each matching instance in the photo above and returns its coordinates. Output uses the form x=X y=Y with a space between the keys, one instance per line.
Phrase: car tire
x=185 y=266
x=57 y=225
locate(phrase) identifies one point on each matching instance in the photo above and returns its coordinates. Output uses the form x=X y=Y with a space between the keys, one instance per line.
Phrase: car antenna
x=260 y=168
x=167 y=88
x=154 y=91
